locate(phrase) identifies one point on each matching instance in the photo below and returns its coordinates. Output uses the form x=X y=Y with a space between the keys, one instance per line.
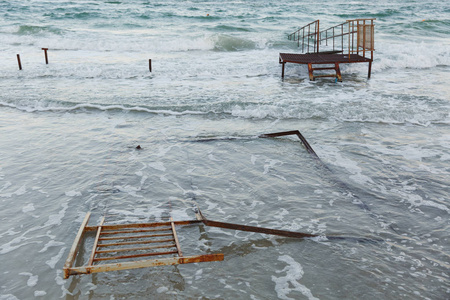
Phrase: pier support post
x=338 y=72
x=370 y=69
x=150 y=65
x=46 y=57
x=310 y=71
x=18 y=61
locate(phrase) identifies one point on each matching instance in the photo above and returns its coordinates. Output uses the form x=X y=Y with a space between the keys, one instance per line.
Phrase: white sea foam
x=416 y=55
x=27 y=208
x=159 y=165
x=40 y=293
x=51 y=243
x=22 y=190
x=32 y=280
x=73 y=194
x=54 y=260
x=8 y=297
x=284 y=285
x=57 y=219
x=162 y=289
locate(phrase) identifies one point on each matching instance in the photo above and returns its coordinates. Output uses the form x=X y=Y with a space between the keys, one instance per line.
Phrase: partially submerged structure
x=123 y=246
x=349 y=42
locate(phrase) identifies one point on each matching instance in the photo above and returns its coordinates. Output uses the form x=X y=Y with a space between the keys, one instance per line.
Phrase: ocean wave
x=412 y=55
x=224 y=42
x=419 y=111
x=45 y=106
x=37 y=30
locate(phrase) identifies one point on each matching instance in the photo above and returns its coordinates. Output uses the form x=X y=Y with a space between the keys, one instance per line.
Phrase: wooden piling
x=46 y=57
x=150 y=65
x=18 y=61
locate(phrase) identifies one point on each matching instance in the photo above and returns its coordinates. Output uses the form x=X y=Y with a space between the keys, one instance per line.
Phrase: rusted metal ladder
x=336 y=68
x=123 y=244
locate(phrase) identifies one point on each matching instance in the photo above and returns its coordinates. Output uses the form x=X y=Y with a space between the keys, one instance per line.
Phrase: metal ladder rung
x=325 y=75
x=136 y=242
x=134 y=237
x=135 y=249
x=105 y=232
x=133 y=256
x=324 y=68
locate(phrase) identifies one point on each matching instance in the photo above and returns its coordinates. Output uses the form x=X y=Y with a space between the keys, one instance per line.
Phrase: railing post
x=309 y=31
x=18 y=61
x=45 y=53
x=303 y=40
x=318 y=36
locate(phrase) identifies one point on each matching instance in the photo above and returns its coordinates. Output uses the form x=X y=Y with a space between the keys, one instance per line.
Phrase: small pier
x=349 y=42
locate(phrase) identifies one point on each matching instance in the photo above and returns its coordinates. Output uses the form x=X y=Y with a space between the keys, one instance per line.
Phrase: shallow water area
x=377 y=198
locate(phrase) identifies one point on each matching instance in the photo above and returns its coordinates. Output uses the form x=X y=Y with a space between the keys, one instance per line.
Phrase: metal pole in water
x=46 y=57
x=18 y=60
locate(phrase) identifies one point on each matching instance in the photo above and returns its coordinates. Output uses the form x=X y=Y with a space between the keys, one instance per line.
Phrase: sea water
x=69 y=132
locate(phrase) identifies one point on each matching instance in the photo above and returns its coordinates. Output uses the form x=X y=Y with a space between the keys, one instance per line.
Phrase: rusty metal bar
x=76 y=244
x=18 y=61
x=293 y=132
x=135 y=249
x=136 y=242
x=134 y=237
x=140 y=225
x=134 y=255
x=175 y=237
x=94 y=248
x=145 y=264
x=317 y=35
x=45 y=53
x=284 y=233
x=105 y=232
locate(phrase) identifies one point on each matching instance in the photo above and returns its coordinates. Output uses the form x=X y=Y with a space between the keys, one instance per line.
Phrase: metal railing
x=350 y=37
x=307 y=36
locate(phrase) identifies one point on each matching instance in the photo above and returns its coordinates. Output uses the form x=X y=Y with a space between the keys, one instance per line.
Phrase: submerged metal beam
x=233 y=226
x=292 y=132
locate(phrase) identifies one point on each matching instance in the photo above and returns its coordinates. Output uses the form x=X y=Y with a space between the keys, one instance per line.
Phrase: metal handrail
x=295 y=36
x=360 y=33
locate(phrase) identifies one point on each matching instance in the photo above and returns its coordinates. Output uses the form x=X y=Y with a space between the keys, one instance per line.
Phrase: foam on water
x=284 y=285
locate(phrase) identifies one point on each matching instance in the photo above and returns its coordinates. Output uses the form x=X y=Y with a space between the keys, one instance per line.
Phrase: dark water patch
x=37 y=30
x=387 y=13
x=228 y=28
x=82 y=15
x=430 y=26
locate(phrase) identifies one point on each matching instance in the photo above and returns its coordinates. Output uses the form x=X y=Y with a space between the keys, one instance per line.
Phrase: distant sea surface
x=69 y=132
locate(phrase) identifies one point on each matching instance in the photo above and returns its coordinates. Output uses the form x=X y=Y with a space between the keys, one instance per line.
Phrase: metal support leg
x=338 y=72
x=310 y=70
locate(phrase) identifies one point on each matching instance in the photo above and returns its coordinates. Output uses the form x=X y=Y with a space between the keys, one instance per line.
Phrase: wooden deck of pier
x=334 y=59
x=346 y=43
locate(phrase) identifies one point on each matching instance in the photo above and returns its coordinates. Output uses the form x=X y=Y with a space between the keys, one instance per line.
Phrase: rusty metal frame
x=163 y=235
x=292 y=132
x=152 y=233
x=125 y=238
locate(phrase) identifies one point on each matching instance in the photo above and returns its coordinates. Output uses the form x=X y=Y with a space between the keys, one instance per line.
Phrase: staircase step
x=325 y=75
x=324 y=68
